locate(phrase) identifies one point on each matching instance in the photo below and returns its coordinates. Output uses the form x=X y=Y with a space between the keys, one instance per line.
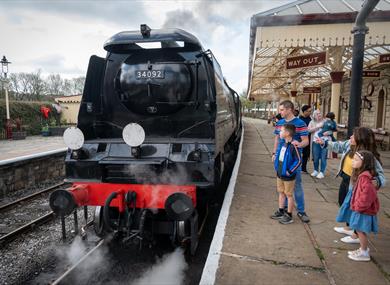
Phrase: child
x=329 y=126
x=287 y=162
x=364 y=202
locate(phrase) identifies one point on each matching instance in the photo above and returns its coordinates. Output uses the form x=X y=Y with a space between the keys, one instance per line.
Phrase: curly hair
x=365 y=140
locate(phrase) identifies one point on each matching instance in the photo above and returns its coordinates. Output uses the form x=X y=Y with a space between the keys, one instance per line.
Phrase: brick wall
x=28 y=173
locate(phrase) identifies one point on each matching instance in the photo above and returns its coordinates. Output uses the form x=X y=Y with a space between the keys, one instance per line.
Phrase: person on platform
x=287 y=161
x=300 y=140
x=329 y=126
x=364 y=203
x=362 y=139
x=319 y=152
x=306 y=112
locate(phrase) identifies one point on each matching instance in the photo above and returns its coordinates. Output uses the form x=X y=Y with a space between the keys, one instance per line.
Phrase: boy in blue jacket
x=287 y=161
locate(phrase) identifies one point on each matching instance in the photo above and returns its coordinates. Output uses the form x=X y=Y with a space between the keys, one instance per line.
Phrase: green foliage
x=28 y=112
x=45 y=128
x=246 y=104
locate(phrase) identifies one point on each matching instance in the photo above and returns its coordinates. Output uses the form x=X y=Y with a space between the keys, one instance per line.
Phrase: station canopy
x=307 y=27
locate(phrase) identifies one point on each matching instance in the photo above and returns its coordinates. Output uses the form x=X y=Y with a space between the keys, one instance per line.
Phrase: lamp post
x=4 y=68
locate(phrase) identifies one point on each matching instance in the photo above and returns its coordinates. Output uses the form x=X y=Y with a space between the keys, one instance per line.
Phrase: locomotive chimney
x=145 y=30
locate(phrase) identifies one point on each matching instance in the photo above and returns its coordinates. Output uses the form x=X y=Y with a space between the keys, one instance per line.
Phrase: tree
x=54 y=85
x=31 y=86
x=37 y=85
x=74 y=86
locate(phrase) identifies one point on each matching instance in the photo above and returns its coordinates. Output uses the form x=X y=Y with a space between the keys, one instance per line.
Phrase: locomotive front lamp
x=73 y=138
x=133 y=135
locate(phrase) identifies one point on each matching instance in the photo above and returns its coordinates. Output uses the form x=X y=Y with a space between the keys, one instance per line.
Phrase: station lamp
x=4 y=69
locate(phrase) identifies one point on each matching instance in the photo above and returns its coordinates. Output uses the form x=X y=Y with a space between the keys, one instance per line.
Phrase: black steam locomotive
x=156 y=128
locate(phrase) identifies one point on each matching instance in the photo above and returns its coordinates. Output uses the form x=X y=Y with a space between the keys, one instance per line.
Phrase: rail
x=26 y=198
x=71 y=269
x=31 y=225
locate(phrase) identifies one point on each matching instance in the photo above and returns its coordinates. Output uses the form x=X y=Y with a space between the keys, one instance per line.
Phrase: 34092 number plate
x=141 y=74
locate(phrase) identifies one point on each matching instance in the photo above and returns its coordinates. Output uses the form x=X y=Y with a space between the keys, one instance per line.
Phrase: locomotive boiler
x=157 y=126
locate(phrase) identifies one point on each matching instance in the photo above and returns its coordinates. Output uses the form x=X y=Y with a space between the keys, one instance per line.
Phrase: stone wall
x=368 y=117
x=27 y=173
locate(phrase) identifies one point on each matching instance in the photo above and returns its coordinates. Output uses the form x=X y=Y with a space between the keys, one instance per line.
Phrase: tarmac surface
x=259 y=250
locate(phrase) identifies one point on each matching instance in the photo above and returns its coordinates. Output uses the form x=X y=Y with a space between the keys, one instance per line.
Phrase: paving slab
x=246 y=270
x=31 y=145
x=345 y=271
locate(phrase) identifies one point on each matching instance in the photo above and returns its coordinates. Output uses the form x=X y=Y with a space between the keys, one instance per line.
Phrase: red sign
x=384 y=58
x=311 y=89
x=307 y=60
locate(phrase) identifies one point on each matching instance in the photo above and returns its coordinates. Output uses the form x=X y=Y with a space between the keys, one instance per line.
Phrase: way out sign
x=307 y=60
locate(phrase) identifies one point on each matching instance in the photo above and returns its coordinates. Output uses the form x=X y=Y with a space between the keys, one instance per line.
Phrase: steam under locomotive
x=157 y=126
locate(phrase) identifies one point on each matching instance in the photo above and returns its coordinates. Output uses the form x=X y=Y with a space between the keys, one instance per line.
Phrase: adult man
x=286 y=110
x=306 y=112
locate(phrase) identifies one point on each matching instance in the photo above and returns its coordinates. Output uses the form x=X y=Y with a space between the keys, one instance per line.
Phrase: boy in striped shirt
x=300 y=140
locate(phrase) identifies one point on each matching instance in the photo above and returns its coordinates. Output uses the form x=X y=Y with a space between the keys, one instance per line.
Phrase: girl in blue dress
x=364 y=203
x=362 y=139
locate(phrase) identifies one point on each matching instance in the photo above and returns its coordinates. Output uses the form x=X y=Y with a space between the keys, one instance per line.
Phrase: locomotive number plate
x=141 y=74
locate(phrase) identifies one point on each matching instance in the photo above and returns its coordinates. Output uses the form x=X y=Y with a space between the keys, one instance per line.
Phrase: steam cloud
x=169 y=270
x=76 y=251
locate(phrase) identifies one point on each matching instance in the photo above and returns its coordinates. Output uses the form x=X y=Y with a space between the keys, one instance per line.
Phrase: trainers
x=356 y=252
x=349 y=239
x=341 y=230
x=277 y=215
x=360 y=256
x=304 y=218
x=320 y=175
x=314 y=173
x=286 y=219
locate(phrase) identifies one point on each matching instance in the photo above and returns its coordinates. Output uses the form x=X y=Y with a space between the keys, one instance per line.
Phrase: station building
x=303 y=51
x=70 y=106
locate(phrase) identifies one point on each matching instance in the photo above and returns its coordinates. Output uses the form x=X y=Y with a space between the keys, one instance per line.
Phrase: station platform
x=251 y=248
x=31 y=146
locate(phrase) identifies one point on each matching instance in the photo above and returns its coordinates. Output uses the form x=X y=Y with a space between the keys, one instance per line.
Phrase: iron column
x=359 y=36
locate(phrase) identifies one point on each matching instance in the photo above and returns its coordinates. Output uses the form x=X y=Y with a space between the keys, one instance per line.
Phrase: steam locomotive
x=157 y=126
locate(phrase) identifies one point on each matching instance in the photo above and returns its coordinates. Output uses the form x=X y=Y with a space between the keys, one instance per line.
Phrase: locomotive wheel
x=98 y=224
x=180 y=232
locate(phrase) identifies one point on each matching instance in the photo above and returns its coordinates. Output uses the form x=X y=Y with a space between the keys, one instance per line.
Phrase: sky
x=58 y=37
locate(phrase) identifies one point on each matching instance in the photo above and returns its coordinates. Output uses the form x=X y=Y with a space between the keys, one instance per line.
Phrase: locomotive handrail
x=192 y=126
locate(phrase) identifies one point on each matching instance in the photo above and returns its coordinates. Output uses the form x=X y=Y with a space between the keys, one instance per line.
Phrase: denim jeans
x=319 y=153
x=299 y=196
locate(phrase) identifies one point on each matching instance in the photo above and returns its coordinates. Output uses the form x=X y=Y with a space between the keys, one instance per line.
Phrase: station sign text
x=307 y=60
x=312 y=89
x=384 y=58
x=369 y=73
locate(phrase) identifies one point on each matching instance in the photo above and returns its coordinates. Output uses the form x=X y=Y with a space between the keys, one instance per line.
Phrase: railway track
x=68 y=273
x=8 y=211
x=29 y=197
